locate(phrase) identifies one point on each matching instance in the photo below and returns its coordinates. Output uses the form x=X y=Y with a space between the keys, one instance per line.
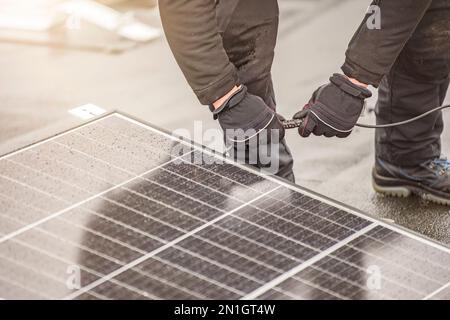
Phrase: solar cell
x=115 y=209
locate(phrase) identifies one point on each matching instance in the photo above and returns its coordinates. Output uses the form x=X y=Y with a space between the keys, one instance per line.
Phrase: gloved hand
x=334 y=109
x=244 y=117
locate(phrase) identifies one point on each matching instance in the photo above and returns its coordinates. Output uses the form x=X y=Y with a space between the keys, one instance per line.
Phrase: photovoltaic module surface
x=117 y=209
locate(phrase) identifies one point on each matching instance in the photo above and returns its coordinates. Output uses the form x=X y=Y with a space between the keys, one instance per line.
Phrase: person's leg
x=417 y=83
x=249 y=29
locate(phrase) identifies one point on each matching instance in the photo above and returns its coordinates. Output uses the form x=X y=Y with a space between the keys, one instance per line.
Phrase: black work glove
x=333 y=109
x=244 y=117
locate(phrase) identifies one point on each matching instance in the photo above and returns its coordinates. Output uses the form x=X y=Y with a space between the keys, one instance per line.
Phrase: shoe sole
x=393 y=188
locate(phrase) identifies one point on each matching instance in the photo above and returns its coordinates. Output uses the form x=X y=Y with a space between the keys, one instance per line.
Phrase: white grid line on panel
x=58 y=213
x=152 y=237
x=160 y=249
x=431 y=295
x=86 y=269
x=275 y=282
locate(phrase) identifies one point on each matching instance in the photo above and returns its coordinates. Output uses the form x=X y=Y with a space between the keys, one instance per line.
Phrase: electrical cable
x=296 y=123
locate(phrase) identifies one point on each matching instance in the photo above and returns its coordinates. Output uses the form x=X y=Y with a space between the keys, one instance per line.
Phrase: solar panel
x=116 y=209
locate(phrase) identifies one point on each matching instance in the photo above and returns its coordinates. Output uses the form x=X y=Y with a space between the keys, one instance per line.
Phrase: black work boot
x=430 y=180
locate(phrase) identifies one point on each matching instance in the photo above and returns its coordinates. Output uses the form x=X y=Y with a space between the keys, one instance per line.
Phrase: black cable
x=396 y=124
x=296 y=123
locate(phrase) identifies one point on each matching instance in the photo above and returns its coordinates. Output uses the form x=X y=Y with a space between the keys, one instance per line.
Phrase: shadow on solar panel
x=117 y=209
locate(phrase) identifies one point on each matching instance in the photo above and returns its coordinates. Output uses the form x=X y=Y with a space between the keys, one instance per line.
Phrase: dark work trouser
x=417 y=83
x=249 y=31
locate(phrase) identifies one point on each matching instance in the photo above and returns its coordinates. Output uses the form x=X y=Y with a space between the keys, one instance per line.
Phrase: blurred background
x=57 y=55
